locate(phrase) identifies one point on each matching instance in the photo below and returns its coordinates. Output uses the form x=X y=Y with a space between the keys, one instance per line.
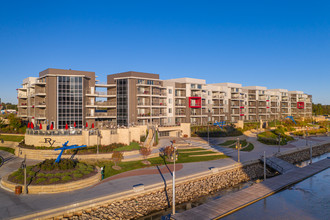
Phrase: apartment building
x=77 y=98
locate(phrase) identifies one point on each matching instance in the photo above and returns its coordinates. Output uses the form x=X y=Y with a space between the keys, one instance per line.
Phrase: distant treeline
x=319 y=109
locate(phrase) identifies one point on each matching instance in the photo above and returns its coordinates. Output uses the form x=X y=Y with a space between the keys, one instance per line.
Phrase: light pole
x=173 y=203
x=311 y=152
x=279 y=143
x=238 y=146
x=208 y=132
x=264 y=165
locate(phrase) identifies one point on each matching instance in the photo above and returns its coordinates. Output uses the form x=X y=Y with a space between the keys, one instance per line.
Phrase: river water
x=309 y=199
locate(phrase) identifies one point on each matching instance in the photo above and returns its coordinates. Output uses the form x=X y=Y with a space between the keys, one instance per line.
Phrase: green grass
x=132 y=165
x=8 y=149
x=249 y=148
x=13 y=138
x=132 y=146
x=271 y=137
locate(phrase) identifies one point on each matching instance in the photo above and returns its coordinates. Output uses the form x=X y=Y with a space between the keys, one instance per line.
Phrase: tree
x=14 y=122
x=145 y=152
x=117 y=156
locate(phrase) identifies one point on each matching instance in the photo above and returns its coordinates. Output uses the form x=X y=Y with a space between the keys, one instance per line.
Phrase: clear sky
x=277 y=44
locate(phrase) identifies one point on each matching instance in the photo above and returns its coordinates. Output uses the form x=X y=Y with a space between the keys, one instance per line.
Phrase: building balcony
x=101 y=115
x=105 y=85
x=40 y=105
x=101 y=104
x=160 y=104
x=101 y=94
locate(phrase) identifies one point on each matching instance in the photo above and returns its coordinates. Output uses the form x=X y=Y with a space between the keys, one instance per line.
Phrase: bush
x=85 y=172
x=145 y=152
x=143 y=138
x=77 y=175
x=41 y=174
x=64 y=164
x=117 y=156
x=39 y=180
x=54 y=180
x=66 y=178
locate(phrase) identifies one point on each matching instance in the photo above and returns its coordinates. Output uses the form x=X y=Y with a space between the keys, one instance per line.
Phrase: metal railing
x=54 y=132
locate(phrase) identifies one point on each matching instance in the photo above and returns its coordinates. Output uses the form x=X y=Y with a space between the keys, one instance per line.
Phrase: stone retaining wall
x=145 y=203
x=55 y=188
x=304 y=155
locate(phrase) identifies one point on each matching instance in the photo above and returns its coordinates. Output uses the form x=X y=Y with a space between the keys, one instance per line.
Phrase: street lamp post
x=279 y=143
x=238 y=146
x=173 y=203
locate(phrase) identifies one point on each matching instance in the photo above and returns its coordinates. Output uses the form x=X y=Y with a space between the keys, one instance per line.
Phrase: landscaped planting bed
x=91 y=150
x=48 y=172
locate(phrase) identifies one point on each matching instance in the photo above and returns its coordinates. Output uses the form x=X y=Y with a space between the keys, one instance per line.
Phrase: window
x=169 y=101
x=193 y=86
x=169 y=91
x=170 y=110
x=209 y=93
x=209 y=101
x=199 y=86
x=69 y=101
x=122 y=102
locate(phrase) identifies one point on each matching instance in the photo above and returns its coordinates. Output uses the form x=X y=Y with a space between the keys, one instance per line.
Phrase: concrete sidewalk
x=15 y=206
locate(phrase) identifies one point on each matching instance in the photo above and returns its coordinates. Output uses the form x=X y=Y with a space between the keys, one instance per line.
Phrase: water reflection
x=309 y=199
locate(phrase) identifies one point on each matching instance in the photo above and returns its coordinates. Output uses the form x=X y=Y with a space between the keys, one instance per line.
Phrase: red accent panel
x=267 y=107
x=242 y=107
x=195 y=102
x=267 y=100
x=300 y=105
x=241 y=115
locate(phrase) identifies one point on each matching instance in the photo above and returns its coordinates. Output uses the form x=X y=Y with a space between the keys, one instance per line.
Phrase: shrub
x=66 y=178
x=143 y=138
x=58 y=174
x=40 y=174
x=64 y=164
x=169 y=151
x=31 y=173
x=39 y=180
x=117 y=156
x=53 y=180
x=145 y=152
x=77 y=175
x=85 y=172
x=49 y=175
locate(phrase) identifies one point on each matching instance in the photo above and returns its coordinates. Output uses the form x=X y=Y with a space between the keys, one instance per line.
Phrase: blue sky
x=277 y=44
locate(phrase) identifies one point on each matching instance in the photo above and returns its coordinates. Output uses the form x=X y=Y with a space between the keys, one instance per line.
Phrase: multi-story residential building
x=76 y=98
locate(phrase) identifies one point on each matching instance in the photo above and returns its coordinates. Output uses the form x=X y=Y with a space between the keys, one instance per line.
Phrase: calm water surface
x=309 y=199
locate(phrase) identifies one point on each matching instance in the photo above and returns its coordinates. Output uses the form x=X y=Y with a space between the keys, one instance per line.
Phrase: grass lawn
x=132 y=165
x=249 y=148
x=12 y=138
x=271 y=138
x=132 y=146
x=242 y=142
x=191 y=149
x=8 y=149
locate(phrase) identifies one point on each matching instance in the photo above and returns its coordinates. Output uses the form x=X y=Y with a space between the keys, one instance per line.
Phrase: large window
x=122 y=102
x=69 y=101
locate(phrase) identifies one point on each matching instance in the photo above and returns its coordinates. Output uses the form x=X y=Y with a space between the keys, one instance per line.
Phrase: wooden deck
x=230 y=203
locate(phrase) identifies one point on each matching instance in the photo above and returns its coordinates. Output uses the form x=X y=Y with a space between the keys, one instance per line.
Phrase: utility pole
x=173 y=203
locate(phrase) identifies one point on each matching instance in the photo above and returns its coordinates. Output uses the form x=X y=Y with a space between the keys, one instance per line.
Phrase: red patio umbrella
x=40 y=126
x=51 y=126
x=32 y=125
x=66 y=127
x=74 y=124
x=86 y=125
x=92 y=125
x=28 y=126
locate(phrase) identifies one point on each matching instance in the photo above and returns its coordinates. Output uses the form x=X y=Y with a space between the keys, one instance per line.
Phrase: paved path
x=234 y=201
x=14 y=206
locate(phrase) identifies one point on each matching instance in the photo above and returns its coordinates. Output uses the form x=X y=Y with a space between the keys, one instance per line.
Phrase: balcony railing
x=180 y=104
x=102 y=103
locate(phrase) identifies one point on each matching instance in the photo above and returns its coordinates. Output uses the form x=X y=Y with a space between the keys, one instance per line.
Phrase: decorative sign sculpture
x=220 y=124
x=65 y=147
x=290 y=117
